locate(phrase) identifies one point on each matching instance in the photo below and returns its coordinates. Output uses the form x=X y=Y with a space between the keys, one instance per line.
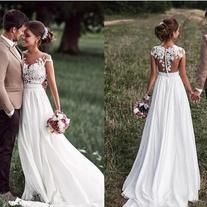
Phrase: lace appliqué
x=165 y=56
x=35 y=73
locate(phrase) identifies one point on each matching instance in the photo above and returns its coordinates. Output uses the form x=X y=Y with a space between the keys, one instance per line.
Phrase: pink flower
x=58 y=123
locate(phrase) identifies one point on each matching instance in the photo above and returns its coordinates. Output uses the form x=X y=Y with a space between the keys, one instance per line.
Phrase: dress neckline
x=34 y=62
x=168 y=47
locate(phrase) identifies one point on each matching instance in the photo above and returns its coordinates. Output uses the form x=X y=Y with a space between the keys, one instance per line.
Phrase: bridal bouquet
x=58 y=123
x=141 y=108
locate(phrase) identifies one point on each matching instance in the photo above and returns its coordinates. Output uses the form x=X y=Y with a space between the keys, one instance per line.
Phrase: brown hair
x=14 y=18
x=164 y=31
x=39 y=30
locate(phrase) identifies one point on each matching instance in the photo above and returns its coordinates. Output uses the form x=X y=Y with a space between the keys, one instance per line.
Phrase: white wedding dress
x=55 y=171
x=165 y=172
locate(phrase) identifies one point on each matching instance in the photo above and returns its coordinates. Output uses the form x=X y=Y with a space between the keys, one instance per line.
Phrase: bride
x=55 y=171
x=165 y=172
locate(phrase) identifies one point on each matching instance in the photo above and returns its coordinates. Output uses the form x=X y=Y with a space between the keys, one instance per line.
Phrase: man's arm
x=202 y=68
x=5 y=102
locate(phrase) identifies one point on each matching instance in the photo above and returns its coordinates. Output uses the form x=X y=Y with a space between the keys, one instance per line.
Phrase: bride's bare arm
x=153 y=74
x=183 y=75
x=52 y=84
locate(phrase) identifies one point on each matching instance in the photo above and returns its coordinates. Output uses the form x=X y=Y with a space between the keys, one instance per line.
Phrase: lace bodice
x=167 y=58
x=35 y=73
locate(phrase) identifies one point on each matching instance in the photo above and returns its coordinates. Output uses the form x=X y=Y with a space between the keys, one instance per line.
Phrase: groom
x=11 y=90
x=201 y=80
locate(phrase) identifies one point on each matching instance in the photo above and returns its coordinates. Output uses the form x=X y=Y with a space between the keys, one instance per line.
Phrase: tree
x=78 y=17
x=136 y=7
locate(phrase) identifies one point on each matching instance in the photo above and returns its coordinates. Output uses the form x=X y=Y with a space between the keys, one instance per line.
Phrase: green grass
x=80 y=83
x=90 y=43
x=127 y=67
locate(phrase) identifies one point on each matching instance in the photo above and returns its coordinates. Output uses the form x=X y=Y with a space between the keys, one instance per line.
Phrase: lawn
x=127 y=47
x=81 y=86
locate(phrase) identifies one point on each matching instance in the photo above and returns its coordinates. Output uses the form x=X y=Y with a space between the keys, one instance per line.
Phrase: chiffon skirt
x=165 y=172
x=55 y=171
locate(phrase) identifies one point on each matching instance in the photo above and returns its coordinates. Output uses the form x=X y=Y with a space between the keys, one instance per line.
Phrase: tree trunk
x=71 y=34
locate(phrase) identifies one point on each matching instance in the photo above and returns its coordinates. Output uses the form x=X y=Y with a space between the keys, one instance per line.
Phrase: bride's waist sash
x=33 y=85
x=172 y=74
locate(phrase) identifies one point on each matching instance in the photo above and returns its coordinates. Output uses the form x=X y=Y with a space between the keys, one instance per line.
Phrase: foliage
x=58 y=12
x=147 y=7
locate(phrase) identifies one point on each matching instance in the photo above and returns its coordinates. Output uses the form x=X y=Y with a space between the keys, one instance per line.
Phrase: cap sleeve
x=153 y=51
x=181 y=52
x=47 y=58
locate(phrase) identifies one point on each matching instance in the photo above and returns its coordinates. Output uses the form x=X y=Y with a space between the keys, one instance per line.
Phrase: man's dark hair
x=14 y=18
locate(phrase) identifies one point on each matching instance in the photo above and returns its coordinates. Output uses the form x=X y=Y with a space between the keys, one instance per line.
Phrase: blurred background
x=78 y=56
x=133 y=8
x=128 y=40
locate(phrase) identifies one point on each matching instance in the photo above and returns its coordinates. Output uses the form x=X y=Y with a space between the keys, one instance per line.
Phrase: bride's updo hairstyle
x=39 y=30
x=164 y=31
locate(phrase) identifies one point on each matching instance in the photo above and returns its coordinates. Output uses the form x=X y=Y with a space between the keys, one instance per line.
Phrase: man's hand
x=195 y=96
x=45 y=84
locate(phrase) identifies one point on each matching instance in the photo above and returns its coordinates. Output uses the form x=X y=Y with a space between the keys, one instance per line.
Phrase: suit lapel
x=12 y=49
x=14 y=52
x=19 y=51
